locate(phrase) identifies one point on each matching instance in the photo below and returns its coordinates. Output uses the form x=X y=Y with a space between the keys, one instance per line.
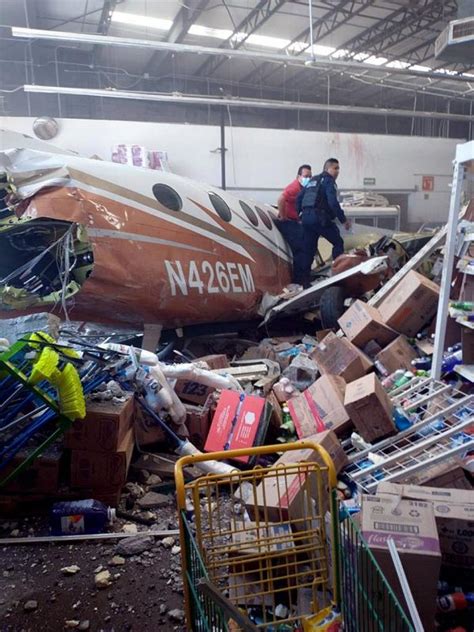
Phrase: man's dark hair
x=300 y=169
x=329 y=162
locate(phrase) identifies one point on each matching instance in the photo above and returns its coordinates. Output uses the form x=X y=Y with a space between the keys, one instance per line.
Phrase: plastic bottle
x=80 y=516
x=401 y=419
x=404 y=379
x=389 y=381
x=466 y=306
x=380 y=368
x=455 y=601
x=451 y=360
x=421 y=364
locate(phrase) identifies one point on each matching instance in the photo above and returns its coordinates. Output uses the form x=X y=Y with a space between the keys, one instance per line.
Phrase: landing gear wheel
x=331 y=306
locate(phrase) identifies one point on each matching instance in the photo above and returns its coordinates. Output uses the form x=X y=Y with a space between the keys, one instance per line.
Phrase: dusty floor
x=142 y=593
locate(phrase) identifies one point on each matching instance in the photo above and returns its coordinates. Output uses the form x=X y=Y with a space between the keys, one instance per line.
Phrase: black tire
x=331 y=306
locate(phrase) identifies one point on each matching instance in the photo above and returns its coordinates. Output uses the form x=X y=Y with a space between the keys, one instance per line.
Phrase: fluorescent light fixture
x=231 y=53
x=149 y=22
x=177 y=98
x=323 y=51
x=340 y=52
x=268 y=42
x=445 y=71
x=396 y=63
x=375 y=61
x=360 y=56
x=421 y=68
x=468 y=74
x=207 y=31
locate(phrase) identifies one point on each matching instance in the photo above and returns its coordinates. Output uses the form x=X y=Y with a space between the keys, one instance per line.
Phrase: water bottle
x=404 y=379
x=80 y=516
x=388 y=382
x=465 y=306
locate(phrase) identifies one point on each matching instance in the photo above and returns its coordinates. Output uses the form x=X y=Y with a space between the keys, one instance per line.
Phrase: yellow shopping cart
x=262 y=549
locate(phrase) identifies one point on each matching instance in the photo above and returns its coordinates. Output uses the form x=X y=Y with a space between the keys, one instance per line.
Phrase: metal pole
x=223 y=149
x=310 y=7
x=446 y=278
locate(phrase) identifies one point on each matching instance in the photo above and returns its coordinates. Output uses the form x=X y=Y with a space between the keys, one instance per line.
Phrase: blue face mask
x=304 y=181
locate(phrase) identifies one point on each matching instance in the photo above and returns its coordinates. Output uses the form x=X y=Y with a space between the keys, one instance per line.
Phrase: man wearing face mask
x=318 y=207
x=289 y=222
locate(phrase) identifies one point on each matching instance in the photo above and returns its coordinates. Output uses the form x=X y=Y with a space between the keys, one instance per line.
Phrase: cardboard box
x=198 y=421
x=102 y=470
x=193 y=392
x=467 y=339
x=454 y=513
x=276 y=418
x=411 y=524
x=446 y=474
x=147 y=431
x=284 y=495
x=215 y=361
x=240 y=421
x=411 y=304
x=362 y=323
x=328 y=393
x=397 y=355
x=370 y=408
x=41 y=477
x=255 y=588
x=103 y=428
x=338 y=356
x=250 y=539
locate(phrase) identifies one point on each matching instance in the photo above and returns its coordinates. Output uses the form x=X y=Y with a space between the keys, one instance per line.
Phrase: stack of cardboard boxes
x=100 y=449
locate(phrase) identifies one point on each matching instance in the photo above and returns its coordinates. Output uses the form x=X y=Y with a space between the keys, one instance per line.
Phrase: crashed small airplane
x=109 y=243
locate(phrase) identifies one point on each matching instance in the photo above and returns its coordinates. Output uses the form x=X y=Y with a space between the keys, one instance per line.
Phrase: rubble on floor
x=107 y=422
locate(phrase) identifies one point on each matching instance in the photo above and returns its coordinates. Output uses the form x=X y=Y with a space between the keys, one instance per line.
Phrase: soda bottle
x=80 y=516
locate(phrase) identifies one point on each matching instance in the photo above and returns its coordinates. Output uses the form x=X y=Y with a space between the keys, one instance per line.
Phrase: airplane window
x=264 y=217
x=253 y=219
x=168 y=197
x=221 y=207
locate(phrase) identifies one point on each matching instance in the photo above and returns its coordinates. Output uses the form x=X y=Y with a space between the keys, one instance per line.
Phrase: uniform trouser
x=313 y=229
x=292 y=231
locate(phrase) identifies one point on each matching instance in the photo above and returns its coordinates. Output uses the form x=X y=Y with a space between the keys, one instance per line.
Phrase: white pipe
x=209 y=467
x=246 y=103
x=196 y=373
x=278 y=58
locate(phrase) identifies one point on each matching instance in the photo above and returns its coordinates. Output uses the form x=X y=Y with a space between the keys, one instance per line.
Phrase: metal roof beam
x=249 y=25
x=186 y=16
x=327 y=23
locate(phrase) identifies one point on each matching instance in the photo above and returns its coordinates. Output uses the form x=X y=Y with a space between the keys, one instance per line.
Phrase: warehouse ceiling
x=365 y=53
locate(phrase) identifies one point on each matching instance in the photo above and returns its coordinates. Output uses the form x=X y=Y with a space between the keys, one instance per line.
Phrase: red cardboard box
x=240 y=421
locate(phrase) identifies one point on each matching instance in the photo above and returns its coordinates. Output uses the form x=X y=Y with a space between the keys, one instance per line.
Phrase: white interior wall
x=262 y=161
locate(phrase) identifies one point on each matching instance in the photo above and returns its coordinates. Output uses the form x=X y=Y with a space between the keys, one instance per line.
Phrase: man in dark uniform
x=318 y=207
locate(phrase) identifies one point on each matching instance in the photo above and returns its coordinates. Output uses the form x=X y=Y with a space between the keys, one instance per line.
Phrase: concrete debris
x=175 y=550
x=117 y=560
x=72 y=623
x=176 y=615
x=30 y=605
x=103 y=580
x=84 y=625
x=130 y=528
x=153 y=500
x=168 y=542
x=153 y=479
x=134 y=546
x=70 y=570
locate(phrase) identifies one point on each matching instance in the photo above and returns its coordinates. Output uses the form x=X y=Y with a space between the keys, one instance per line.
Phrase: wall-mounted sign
x=369 y=181
x=427 y=183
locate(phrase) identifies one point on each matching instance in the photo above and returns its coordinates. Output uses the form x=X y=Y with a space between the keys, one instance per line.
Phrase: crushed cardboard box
x=362 y=323
x=370 y=408
x=454 y=513
x=411 y=525
x=328 y=393
x=411 y=304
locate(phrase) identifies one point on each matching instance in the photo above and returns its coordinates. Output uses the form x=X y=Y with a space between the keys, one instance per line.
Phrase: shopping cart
x=264 y=549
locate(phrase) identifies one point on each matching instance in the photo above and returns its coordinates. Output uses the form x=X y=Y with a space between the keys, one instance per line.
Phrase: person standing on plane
x=318 y=207
x=288 y=221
